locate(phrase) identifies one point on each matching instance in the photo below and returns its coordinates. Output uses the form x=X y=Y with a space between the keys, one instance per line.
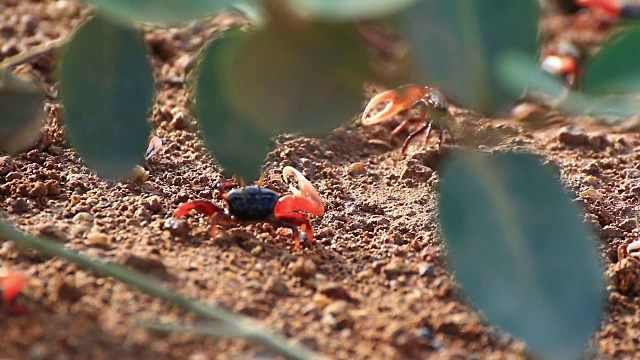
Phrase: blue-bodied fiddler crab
x=433 y=114
x=258 y=204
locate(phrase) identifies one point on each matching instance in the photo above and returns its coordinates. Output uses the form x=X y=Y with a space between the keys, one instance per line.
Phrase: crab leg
x=202 y=206
x=400 y=99
x=302 y=198
x=293 y=221
x=218 y=214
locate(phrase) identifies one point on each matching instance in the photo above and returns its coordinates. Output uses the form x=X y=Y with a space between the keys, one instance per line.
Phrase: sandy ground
x=374 y=284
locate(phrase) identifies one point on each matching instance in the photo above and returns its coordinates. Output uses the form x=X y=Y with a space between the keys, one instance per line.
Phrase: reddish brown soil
x=373 y=285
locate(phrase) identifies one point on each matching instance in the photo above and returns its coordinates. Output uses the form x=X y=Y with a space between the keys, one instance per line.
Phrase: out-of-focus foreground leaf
x=107 y=88
x=252 y=86
x=458 y=43
x=21 y=112
x=170 y=12
x=342 y=10
x=614 y=69
x=521 y=251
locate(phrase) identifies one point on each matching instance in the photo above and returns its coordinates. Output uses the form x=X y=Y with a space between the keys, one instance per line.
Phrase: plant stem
x=250 y=329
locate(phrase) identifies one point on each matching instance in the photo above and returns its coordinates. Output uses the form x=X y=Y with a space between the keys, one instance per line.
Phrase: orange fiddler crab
x=257 y=204
x=434 y=112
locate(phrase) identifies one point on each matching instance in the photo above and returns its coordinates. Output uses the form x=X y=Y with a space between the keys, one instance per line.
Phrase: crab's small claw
x=205 y=207
x=155 y=145
x=400 y=99
x=303 y=197
x=12 y=284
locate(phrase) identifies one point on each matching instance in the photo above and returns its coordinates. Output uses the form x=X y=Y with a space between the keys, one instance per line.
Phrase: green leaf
x=107 y=89
x=614 y=69
x=21 y=113
x=458 y=42
x=343 y=10
x=171 y=12
x=521 y=251
x=252 y=86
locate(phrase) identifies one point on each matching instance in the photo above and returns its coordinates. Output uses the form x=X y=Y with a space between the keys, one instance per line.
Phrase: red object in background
x=610 y=7
x=606 y=12
x=11 y=283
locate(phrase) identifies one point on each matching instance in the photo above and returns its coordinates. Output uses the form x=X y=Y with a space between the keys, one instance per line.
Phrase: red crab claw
x=303 y=197
x=400 y=99
x=208 y=208
x=12 y=284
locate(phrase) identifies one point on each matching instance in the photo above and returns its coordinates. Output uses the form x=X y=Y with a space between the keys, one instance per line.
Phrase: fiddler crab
x=434 y=112
x=11 y=283
x=257 y=204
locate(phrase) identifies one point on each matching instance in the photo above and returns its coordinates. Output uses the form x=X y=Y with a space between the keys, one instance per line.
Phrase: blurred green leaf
x=518 y=72
x=458 y=43
x=521 y=251
x=343 y=10
x=171 y=12
x=21 y=113
x=252 y=86
x=614 y=69
x=107 y=89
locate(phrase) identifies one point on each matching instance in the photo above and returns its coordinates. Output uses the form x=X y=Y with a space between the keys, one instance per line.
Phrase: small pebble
x=335 y=291
x=591 y=181
x=591 y=194
x=83 y=217
x=276 y=287
x=357 y=168
x=256 y=251
x=147 y=265
x=38 y=189
x=426 y=269
x=19 y=206
x=629 y=225
x=631 y=173
x=66 y=291
x=97 y=239
x=599 y=141
x=573 y=137
x=140 y=174
x=52 y=232
x=612 y=232
x=177 y=227
x=303 y=268
x=396 y=268
x=155 y=205
x=180 y=121
x=14 y=175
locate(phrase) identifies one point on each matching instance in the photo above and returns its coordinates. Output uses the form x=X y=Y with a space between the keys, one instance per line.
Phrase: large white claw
x=155 y=144
x=304 y=189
